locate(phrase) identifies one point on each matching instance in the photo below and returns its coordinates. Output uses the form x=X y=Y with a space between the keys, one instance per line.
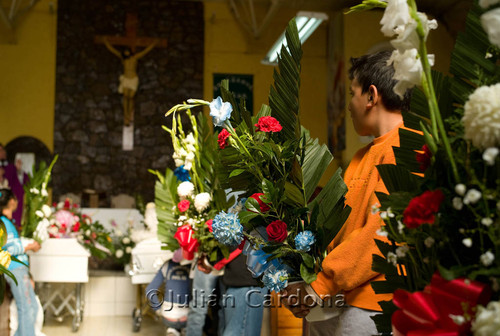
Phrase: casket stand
x=61 y=261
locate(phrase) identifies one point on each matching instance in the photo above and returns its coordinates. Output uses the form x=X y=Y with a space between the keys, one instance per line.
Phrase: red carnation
x=222 y=138
x=263 y=206
x=268 y=124
x=424 y=158
x=422 y=209
x=183 y=205
x=277 y=231
x=209 y=224
x=67 y=204
x=76 y=227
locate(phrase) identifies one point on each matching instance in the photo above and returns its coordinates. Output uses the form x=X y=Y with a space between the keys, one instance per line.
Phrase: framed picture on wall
x=240 y=84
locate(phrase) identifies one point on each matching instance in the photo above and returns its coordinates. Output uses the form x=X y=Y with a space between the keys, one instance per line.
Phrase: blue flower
x=182 y=174
x=304 y=240
x=227 y=229
x=275 y=279
x=220 y=111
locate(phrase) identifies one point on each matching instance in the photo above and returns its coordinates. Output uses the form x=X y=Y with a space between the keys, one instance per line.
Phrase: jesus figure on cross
x=129 y=81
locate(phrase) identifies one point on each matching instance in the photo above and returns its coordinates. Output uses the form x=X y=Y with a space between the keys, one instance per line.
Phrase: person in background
x=23 y=292
x=376 y=111
x=17 y=179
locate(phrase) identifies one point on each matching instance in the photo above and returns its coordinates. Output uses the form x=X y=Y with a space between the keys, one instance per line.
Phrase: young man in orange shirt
x=375 y=110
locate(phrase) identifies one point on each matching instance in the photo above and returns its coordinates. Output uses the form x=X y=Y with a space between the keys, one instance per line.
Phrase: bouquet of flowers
x=36 y=211
x=122 y=244
x=5 y=260
x=275 y=163
x=442 y=214
x=188 y=197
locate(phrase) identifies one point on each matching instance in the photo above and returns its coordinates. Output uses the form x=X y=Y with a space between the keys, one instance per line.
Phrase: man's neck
x=386 y=123
x=7 y=213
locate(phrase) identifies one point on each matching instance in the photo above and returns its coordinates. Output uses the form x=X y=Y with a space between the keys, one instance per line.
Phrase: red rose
x=424 y=158
x=209 y=224
x=67 y=204
x=268 y=124
x=93 y=235
x=222 y=138
x=183 y=205
x=76 y=227
x=422 y=209
x=277 y=231
x=263 y=206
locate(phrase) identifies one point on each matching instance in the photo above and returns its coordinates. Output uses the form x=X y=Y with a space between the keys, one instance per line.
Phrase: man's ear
x=373 y=96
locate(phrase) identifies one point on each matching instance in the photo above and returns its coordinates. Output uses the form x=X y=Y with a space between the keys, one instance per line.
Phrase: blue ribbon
x=257 y=262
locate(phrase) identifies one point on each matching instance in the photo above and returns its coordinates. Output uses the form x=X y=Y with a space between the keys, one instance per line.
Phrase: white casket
x=60 y=260
x=147 y=258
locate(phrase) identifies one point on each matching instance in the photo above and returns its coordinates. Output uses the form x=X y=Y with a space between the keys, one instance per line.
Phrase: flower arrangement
x=442 y=214
x=188 y=197
x=35 y=212
x=122 y=244
x=274 y=162
x=5 y=260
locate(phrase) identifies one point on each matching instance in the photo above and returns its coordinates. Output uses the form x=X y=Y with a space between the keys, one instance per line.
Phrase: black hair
x=5 y=196
x=372 y=69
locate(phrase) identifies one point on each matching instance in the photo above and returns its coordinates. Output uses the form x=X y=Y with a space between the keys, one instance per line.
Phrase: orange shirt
x=348 y=264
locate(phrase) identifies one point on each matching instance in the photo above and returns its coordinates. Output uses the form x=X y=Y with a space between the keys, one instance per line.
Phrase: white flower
x=392 y=258
x=47 y=211
x=190 y=156
x=34 y=191
x=118 y=233
x=482 y=116
x=39 y=213
x=87 y=233
x=488 y=3
x=487 y=321
x=487 y=221
x=457 y=203
x=458 y=319
x=408 y=37
x=128 y=250
x=190 y=139
x=53 y=230
x=401 y=251
x=382 y=232
x=202 y=201
x=126 y=240
x=460 y=189
x=45 y=193
x=489 y=155
x=487 y=258
x=472 y=196
x=408 y=69
x=467 y=242
x=383 y=215
x=179 y=162
x=488 y=55
x=429 y=241
x=188 y=165
x=491 y=24
x=119 y=253
x=185 y=189
x=396 y=17
x=401 y=227
x=375 y=208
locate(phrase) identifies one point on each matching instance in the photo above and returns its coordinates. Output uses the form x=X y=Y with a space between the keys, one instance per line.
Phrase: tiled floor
x=104 y=326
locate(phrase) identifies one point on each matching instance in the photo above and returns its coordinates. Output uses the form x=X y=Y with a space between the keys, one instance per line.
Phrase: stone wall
x=88 y=113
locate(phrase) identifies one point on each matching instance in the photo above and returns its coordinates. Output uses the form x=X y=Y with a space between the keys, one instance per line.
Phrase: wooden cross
x=129 y=80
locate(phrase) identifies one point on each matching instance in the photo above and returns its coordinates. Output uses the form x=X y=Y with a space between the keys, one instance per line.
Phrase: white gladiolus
x=178 y=162
x=202 y=201
x=185 y=189
x=39 y=213
x=460 y=189
x=408 y=69
x=487 y=258
x=489 y=155
x=45 y=193
x=190 y=139
x=381 y=232
x=488 y=3
x=47 y=211
x=401 y=251
x=482 y=116
x=408 y=37
x=396 y=17
x=491 y=24
x=487 y=321
x=392 y=258
x=472 y=196
x=34 y=191
x=467 y=242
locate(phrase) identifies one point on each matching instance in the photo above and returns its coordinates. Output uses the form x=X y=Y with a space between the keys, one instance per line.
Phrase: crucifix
x=129 y=81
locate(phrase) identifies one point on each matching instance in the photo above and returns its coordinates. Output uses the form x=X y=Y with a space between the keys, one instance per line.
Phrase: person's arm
x=111 y=48
x=143 y=53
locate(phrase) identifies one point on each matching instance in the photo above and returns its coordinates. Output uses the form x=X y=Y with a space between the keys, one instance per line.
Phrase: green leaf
x=397 y=178
x=308 y=260
x=236 y=172
x=252 y=205
x=307 y=274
